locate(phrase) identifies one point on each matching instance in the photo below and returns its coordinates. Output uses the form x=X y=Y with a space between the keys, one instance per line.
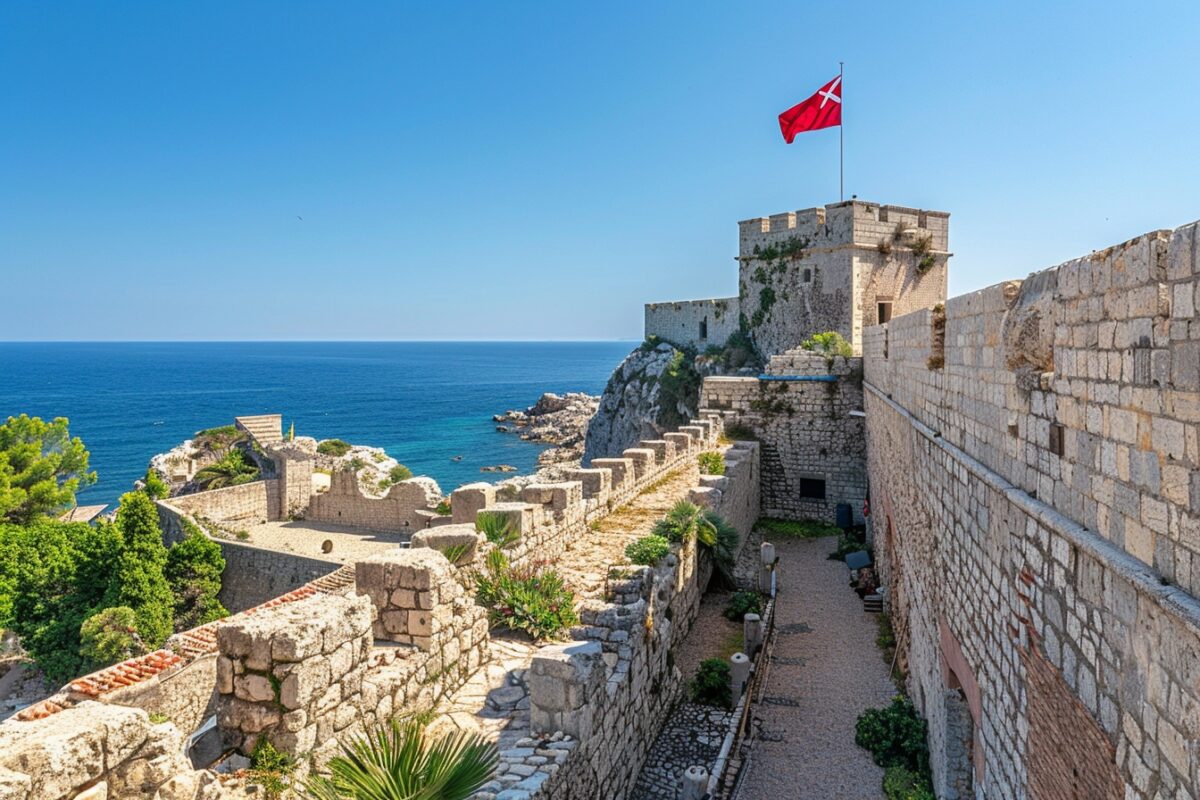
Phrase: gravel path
x=824 y=672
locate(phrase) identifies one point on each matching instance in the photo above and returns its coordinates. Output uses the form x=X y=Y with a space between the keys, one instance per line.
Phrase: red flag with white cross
x=822 y=110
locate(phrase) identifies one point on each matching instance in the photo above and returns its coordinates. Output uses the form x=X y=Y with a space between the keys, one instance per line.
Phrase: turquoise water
x=423 y=402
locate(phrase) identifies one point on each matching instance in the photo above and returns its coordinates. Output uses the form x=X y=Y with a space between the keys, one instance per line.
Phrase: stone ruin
x=388 y=636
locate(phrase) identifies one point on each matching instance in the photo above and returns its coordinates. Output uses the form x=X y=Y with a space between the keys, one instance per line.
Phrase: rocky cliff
x=560 y=420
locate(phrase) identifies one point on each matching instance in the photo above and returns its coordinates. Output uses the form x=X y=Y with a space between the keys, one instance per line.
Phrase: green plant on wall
x=830 y=344
x=711 y=684
x=648 y=550
x=711 y=463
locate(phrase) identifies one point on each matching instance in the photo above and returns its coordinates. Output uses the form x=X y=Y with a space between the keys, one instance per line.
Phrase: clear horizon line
x=312 y=341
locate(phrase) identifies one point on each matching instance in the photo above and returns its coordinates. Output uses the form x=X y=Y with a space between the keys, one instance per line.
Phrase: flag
x=822 y=110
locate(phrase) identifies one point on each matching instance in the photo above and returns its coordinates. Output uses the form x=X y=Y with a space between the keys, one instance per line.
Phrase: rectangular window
x=884 y=311
x=812 y=489
x=704 y=328
x=1056 y=439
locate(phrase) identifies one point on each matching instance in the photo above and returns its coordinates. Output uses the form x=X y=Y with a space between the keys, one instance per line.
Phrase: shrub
x=850 y=541
x=711 y=684
x=356 y=464
x=680 y=523
x=233 y=469
x=743 y=603
x=803 y=529
x=154 y=485
x=536 y=601
x=398 y=761
x=679 y=388
x=894 y=736
x=109 y=636
x=904 y=784
x=498 y=528
x=269 y=768
x=193 y=569
x=711 y=463
x=648 y=550
x=333 y=447
x=686 y=520
x=443 y=508
x=399 y=473
x=830 y=344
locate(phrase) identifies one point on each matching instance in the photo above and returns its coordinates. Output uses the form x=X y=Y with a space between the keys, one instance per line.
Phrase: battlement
x=852 y=222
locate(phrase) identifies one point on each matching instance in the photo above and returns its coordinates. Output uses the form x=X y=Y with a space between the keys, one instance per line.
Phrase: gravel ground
x=824 y=672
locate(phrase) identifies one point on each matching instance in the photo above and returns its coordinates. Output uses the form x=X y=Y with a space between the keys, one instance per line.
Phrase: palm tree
x=398 y=762
x=233 y=469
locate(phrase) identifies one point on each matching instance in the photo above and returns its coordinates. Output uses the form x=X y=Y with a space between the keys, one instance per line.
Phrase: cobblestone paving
x=825 y=671
x=692 y=735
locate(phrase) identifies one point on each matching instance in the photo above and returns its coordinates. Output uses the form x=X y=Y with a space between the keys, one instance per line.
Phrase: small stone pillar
x=752 y=633
x=739 y=673
x=694 y=784
x=564 y=680
x=292 y=673
x=407 y=588
x=466 y=501
x=766 y=567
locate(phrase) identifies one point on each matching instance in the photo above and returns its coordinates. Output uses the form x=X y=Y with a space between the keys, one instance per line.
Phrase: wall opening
x=704 y=328
x=808 y=274
x=883 y=311
x=812 y=488
x=1057 y=435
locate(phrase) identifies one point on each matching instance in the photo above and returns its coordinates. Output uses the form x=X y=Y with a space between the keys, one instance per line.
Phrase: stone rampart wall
x=1033 y=461
x=397 y=510
x=682 y=322
x=611 y=691
x=807 y=429
x=253 y=502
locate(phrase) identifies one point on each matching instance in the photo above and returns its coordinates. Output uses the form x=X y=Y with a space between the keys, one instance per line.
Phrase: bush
x=269 y=768
x=333 y=447
x=830 y=344
x=711 y=684
x=536 y=601
x=109 y=636
x=678 y=387
x=648 y=550
x=904 y=784
x=743 y=603
x=711 y=463
x=193 y=569
x=894 y=736
x=233 y=469
x=850 y=541
x=399 y=473
x=154 y=485
x=498 y=528
x=443 y=508
x=686 y=520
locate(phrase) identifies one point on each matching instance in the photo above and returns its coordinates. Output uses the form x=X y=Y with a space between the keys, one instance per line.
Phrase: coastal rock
x=560 y=420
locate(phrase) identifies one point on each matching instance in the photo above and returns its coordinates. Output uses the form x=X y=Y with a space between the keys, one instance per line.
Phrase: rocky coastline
x=558 y=420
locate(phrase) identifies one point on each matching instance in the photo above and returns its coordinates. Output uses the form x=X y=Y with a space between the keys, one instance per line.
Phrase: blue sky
x=518 y=170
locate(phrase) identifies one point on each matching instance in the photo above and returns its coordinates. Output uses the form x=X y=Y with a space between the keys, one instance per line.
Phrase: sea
x=428 y=404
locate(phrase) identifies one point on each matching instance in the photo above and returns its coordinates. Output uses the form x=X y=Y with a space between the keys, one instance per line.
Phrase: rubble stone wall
x=1033 y=459
x=257 y=501
x=682 y=322
x=808 y=429
x=397 y=510
x=611 y=692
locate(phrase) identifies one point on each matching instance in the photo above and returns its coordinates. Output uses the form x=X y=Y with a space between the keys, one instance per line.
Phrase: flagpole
x=842 y=139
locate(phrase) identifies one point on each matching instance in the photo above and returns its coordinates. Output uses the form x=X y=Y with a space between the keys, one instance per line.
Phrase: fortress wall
x=257 y=501
x=680 y=322
x=612 y=692
x=397 y=510
x=806 y=430
x=1037 y=518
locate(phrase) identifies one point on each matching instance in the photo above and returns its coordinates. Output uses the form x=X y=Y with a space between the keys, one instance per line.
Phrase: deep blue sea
x=423 y=402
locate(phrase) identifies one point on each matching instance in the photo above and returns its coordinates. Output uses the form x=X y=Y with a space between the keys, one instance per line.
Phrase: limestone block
x=254 y=688
x=664 y=451
x=420 y=492
x=595 y=482
x=559 y=496
x=452 y=535
x=622 y=469
x=705 y=497
x=304 y=682
x=466 y=501
x=416 y=568
x=14 y=785
x=644 y=461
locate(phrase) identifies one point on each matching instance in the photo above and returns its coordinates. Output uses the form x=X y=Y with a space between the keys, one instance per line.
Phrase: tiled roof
x=186 y=647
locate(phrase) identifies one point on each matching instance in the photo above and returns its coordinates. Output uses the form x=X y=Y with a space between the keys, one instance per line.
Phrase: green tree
x=194 y=567
x=399 y=762
x=53 y=576
x=138 y=580
x=154 y=485
x=232 y=470
x=109 y=636
x=41 y=468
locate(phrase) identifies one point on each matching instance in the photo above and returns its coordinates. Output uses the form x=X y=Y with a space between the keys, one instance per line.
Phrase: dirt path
x=824 y=672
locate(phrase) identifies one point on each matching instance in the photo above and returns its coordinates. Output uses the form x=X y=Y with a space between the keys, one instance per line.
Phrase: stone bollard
x=739 y=673
x=766 y=568
x=695 y=784
x=752 y=633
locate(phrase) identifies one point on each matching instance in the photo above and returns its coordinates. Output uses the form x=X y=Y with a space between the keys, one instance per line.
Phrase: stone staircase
x=266 y=429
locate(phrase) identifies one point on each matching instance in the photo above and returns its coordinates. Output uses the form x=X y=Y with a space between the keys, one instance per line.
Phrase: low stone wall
x=397 y=510
x=609 y=695
x=252 y=502
x=810 y=424
x=1033 y=459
